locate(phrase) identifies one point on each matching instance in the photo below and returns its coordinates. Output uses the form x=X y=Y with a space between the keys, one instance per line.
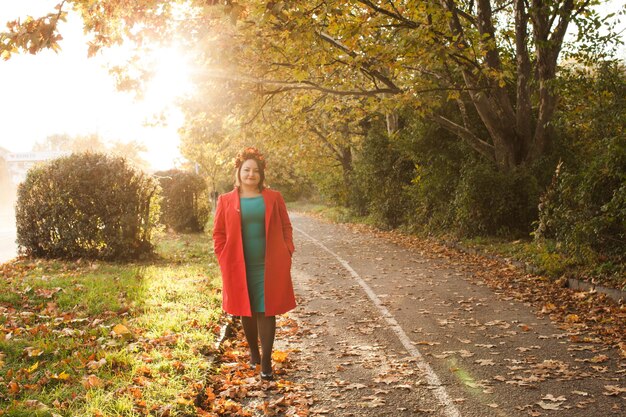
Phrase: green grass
x=62 y=354
x=549 y=260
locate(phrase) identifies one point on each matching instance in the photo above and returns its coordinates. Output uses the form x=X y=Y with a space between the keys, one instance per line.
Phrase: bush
x=185 y=205
x=439 y=157
x=454 y=190
x=584 y=209
x=489 y=202
x=332 y=185
x=383 y=173
x=86 y=206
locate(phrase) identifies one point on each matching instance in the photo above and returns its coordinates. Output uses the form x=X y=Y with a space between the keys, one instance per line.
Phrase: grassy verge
x=105 y=339
x=545 y=257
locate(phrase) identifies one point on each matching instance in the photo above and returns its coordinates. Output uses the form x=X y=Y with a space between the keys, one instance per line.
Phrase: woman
x=252 y=238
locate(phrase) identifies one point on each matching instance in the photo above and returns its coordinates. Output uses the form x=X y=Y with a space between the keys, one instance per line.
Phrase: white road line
x=432 y=378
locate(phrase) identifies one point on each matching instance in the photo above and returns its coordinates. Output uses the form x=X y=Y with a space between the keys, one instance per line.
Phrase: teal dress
x=253 y=233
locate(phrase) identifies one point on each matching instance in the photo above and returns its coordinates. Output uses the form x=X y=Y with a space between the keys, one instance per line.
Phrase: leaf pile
x=236 y=389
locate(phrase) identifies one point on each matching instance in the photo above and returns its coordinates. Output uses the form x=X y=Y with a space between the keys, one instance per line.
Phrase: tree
x=131 y=150
x=213 y=153
x=323 y=134
x=67 y=143
x=498 y=60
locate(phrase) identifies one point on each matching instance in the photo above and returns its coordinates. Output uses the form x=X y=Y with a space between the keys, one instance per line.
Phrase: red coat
x=228 y=246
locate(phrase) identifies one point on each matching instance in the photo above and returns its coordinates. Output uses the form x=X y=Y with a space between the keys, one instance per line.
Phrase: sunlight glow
x=67 y=93
x=156 y=106
x=170 y=82
x=172 y=76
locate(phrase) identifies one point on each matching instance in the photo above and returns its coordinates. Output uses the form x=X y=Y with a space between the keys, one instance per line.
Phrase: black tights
x=260 y=326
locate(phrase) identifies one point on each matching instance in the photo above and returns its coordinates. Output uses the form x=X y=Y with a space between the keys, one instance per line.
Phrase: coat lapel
x=268 y=199
x=235 y=203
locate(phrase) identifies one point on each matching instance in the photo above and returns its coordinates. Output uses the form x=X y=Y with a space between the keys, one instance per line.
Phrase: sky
x=66 y=92
x=52 y=93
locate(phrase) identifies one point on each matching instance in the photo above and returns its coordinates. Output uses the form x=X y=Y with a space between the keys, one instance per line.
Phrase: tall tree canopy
x=496 y=59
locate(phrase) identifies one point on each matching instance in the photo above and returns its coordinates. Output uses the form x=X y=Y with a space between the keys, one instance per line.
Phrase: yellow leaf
x=184 y=401
x=33 y=368
x=31 y=352
x=63 y=376
x=572 y=318
x=454 y=95
x=121 y=330
x=279 y=356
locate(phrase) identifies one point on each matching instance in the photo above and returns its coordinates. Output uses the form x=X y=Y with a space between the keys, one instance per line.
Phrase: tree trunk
x=346 y=166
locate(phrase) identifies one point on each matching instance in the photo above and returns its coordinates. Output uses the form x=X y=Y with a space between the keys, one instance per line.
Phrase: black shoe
x=267 y=377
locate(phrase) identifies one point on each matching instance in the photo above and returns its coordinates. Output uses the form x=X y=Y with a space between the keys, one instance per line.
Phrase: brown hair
x=244 y=155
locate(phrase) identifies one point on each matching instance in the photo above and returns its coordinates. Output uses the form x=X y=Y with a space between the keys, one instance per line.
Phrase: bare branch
x=395 y=15
x=267 y=100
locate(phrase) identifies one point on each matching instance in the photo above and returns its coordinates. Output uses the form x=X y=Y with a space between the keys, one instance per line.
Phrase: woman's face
x=249 y=174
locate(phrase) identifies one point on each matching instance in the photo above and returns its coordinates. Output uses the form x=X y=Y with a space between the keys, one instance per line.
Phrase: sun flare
x=172 y=76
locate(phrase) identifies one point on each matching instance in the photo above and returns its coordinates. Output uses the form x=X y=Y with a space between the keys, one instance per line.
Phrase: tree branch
x=325 y=141
x=367 y=66
x=267 y=100
x=395 y=15
x=474 y=141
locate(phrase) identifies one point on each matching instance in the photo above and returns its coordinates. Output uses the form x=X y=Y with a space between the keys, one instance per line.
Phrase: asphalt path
x=388 y=331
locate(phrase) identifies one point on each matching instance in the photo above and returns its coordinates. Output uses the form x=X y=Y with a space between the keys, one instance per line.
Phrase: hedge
x=185 y=204
x=86 y=205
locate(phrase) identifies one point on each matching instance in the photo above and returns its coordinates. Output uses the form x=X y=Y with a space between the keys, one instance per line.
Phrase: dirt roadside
x=385 y=330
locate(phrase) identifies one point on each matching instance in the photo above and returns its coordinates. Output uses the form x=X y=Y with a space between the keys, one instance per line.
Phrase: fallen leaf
x=184 y=401
x=38 y=405
x=91 y=381
x=33 y=368
x=599 y=359
x=121 y=330
x=279 y=356
x=613 y=390
x=63 y=376
x=551 y=397
x=549 y=406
